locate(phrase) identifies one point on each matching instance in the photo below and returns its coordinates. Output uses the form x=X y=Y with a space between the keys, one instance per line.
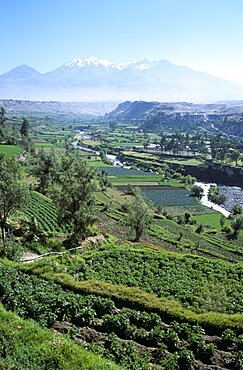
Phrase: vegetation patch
x=10 y=150
x=27 y=345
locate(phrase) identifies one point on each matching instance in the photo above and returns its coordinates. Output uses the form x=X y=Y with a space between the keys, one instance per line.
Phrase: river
x=206 y=202
x=234 y=194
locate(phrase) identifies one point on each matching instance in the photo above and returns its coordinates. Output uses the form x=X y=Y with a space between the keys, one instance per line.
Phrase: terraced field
x=43 y=210
x=10 y=150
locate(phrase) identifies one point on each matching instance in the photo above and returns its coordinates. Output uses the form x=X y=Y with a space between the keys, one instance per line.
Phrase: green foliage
x=42 y=167
x=168 y=197
x=73 y=195
x=138 y=215
x=12 y=193
x=45 y=213
x=198 y=283
x=10 y=150
x=185 y=340
x=237 y=209
x=237 y=224
x=58 y=304
x=24 y=129
x=197 y=191
x=215 y=196
x=25 y=345
x=11 y=250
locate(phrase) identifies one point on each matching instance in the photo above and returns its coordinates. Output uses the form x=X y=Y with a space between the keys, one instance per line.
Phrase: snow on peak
x=138 y=66
x=78 y=62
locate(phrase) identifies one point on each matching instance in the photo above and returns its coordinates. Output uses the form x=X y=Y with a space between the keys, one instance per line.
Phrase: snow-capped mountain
x=98 y=79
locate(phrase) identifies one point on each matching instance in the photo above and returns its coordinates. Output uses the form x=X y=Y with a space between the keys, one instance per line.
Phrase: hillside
x=57 y=107
x=225 y=117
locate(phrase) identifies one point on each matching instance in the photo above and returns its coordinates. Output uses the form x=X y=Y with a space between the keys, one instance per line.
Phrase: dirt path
x=91 y=241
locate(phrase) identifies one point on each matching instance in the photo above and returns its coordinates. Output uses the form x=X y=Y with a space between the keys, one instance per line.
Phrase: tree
x=197 y=191
x=222 y=221
x=12 y=193
x=2 y=116
x=235 y=156
x=24 y=129
x=112 y=125
x=237 y=209
x=215 y=196
x=187 y=217
x=2 y=121
x=104 y=180
x=43 y=168
x=138 y=216
x=72 y=193
x=237 y=224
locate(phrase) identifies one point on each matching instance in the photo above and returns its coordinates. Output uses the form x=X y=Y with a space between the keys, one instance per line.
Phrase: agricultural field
x=169 y=196
x=121 y=172
x=172 y=301
x=126 y=325
x=44 y=145
x=211 y=220
x=90 y=142
x=10 y=150
x=184 y=161
x=197 y=283
x=28 y=345
x=45 y=213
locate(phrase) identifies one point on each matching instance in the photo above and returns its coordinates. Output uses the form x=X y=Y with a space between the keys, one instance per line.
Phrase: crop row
x=169 y=197
x=120 y=171
x=44 y=212
x=169 y=230
x=197 y=283
x=32 y=297
x=26 y=345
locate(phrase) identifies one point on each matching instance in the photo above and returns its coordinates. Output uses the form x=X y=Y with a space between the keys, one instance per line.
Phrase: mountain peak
x=98 y=79
x=80 y=63
x=21 y=71
x=25 y=68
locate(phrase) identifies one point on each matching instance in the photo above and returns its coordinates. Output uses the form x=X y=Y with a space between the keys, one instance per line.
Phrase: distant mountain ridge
x=94 y=79
x=57 y=107
x=221 y=117
x=137 y=110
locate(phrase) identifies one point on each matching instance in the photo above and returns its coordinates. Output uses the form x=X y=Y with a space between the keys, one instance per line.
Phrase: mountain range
x=94 y=79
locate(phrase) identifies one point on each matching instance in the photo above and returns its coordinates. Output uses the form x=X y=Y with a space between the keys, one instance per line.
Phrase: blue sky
x=206 y=35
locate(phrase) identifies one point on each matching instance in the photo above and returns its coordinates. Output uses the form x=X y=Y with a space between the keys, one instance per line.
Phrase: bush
x=11 y=250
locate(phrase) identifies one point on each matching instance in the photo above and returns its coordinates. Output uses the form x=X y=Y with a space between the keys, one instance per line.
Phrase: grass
x=26 y=345
x=210 y=219
x=141 y=155
x=183 y=161
x=99 y=164
x=91 y=142
x=10 y=150
x=154 y=179
x=44 y=145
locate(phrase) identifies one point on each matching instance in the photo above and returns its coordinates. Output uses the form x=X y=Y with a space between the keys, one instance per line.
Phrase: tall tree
x=2 y=116
x=12 y=193
x=2 y=121
x=138 y=215
x=24 y=129
x=43 y=168
x=197 y=191
x=237 y=225
x=235 y=156
x=73 y=194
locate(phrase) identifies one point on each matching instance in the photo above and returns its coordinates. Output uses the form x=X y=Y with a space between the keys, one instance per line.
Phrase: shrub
x=11 y=250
